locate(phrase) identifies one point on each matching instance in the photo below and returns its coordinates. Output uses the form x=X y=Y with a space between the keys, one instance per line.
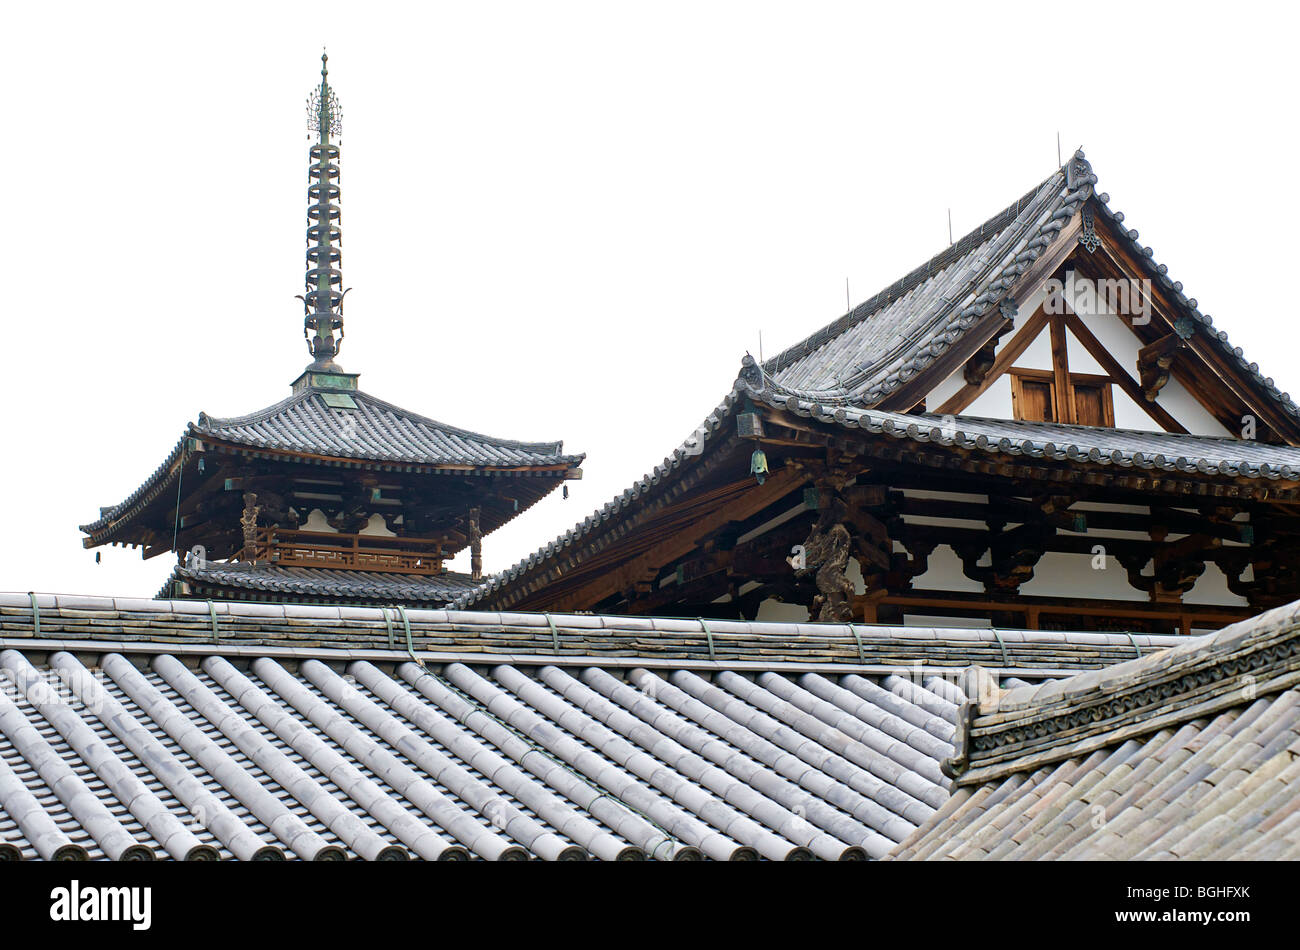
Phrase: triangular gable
x=894 y=350
x=1103 y=310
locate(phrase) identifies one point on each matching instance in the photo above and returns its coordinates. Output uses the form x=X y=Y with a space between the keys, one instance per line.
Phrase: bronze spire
x=323 y=301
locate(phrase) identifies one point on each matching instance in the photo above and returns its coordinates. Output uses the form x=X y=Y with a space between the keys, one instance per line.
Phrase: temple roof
x=1084 y=446
x=1192 y=753
x=374 y=431
x=842 y=374
x=1121 y=448
x=364 y=432
x=337 y=732
x=878 y=346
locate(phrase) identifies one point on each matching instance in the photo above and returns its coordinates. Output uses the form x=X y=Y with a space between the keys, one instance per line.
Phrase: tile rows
x=270 y=759
x=1223 y=787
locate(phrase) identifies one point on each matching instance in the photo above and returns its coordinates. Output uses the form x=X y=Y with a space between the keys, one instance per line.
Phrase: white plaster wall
x=376 y=527
x=1072 y=575
x=943 y=572
x=1212 y=588
x=1118 y=338
x=316 y=522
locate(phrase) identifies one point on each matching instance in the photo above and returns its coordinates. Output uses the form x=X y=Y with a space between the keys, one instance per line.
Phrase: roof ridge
x=935 y=264
x=565 y=634
x=1030 y=726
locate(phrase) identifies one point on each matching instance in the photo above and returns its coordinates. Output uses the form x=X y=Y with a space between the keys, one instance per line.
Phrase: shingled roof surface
x=243 y=581
x=139 y=729
x=1192 y=753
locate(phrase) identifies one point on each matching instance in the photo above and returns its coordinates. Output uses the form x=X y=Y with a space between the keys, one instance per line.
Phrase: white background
x=564 y=220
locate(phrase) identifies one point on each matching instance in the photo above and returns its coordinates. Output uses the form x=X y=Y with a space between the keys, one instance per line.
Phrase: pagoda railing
x=287 y=547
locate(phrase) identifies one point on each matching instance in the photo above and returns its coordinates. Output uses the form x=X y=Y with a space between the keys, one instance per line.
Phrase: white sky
x=564 y=220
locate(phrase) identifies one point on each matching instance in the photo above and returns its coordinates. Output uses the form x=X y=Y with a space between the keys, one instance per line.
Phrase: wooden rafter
x=1121 y=376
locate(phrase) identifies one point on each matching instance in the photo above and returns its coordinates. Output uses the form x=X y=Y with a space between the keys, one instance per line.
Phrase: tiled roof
x=1123 y=448
x=480 y=636
x=132 y=730
x=314 y=584
x=879 y=345
x=1084 y=445
x=857 y=360
x=374 y=431
x=1191 y=753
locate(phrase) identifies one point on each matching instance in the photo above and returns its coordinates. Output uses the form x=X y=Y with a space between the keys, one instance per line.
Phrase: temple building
x=1034 y=429
x=331 y=495
x=1031 y=466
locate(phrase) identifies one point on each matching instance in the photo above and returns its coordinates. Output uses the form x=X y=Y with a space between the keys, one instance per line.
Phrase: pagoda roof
x=343 y=429
x=242 y=581
x=311 y=422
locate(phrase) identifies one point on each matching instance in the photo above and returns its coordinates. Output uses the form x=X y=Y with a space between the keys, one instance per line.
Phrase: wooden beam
x=1061 y=372
x=1120 y=375
x=1009 y=354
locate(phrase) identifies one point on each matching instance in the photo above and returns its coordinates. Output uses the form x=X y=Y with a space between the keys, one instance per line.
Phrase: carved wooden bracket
x=248 y=522
x=1153 y=364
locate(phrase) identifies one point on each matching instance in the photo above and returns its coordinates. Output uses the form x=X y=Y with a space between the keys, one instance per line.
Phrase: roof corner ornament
x=751 y=373
x=323 y=301
x=1079 y=175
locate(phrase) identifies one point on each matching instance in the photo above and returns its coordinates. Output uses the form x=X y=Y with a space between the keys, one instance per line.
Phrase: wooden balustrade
x=286 y=547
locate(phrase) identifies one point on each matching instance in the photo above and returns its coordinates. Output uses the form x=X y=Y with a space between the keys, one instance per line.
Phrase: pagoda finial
x=323 y=301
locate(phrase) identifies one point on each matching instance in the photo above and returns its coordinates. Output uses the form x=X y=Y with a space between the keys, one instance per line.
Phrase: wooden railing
x=286 y=547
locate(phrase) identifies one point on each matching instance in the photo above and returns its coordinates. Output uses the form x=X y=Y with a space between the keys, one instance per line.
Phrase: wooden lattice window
x=1035 y=398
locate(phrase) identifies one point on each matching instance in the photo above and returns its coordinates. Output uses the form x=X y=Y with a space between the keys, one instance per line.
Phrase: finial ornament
x=323 y=301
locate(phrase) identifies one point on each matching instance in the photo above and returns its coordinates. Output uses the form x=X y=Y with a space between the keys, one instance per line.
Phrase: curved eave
x=110 y=528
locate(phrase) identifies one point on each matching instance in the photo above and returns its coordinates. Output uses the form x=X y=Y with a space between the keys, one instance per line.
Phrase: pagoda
x=331 y=495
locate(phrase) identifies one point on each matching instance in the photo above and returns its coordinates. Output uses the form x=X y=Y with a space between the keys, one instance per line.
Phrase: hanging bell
x=758 y=465
x=566 y=491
